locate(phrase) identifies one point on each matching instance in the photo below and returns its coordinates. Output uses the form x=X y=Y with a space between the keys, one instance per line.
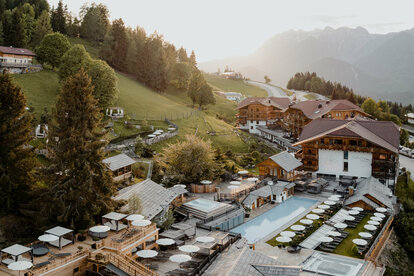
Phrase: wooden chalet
x=120 y=165
x=16 y=60
x=352 y=148
x=282 y=165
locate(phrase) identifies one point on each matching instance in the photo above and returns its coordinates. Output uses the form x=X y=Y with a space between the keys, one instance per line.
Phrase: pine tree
x=43 y=27
x=80 y=186
x=193 y=60
x=58 y=18
x=182 y=55
x=18 y=36
x=17 y=161
x=1 y=34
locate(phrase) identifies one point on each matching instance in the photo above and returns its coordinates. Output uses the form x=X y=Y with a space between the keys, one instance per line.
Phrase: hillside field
x=228 y=85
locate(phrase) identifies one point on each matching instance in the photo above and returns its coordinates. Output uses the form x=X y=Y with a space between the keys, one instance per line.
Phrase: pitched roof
x=276 y=270
x=286 y=161
x=264 y=191
x=279 y=102
x=16 y=51
x=154 y=197
x=372 y=187
x=317 y=108
x=118 y=161
x=385 y=134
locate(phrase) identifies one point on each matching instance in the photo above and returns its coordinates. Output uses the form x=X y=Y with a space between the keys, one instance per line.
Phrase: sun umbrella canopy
x=349 y=218
x=306 y=221
x=353 y=212
x=373 y=222
x=165 y=241
x=318 y=211
x=334 y=233
x=180 y=258
x=205 y=182
x=151 y=135
x=360 y=242
x=288 y=234
x=252 y=179
x=340 y=225
x=376 y=218
x=379 y=215
x=323 y=206
x=325 y=239
x=338 y=196
x=243 y=172
x=365 y=234
x=233 y=187
x=333 y=198
x=20 y=265
x=359 y=209
x=381 y=210
x=147 y=253
x=99 y=229
x=189 y=248
x=329 y=202
x=141 y=223
x=235 y=182
x=180 y=186
x=370 y=227
x=135 y=217
x=205 y=239
x=283 y=239
x=48 y=238
x=312 y=216
x=297 y=227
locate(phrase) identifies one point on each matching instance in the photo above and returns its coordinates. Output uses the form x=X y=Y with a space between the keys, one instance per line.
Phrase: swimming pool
x=273 y=219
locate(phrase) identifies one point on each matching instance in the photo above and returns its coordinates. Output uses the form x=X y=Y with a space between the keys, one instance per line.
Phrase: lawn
x=92 y=49
x=345 y=247
x=228 y=85
x=310 y=96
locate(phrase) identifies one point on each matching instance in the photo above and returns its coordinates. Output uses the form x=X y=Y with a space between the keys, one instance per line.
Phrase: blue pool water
x=273 y=219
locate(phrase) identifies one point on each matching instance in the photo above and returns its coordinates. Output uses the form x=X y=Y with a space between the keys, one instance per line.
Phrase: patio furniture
x=39 y=250
x=61 y=232
x=41 y=264
x=20 y=265
x=177 y=272
x=100 y=231
x=113 y=219
x=60 y=255
x=294 y=249
x=179 y=242
x=15 y=251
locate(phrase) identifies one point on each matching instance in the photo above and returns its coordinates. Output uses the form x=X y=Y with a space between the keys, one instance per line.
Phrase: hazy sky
x=222 y=28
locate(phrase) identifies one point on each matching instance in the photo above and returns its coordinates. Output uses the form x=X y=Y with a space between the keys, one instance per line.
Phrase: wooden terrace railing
x=113 y=244
x=129 y=265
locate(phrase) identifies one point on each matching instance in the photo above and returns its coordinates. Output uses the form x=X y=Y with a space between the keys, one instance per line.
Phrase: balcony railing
x=18 y=64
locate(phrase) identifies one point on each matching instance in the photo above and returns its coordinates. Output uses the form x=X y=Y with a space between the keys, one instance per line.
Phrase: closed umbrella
x=288 y=234
x=370 y=227
x=323 y=206
x=325 y=239
x=180 y=258
x=340 y=225
x=360 y=242
x=297 y=227
x=373 y=222
x=141 y=223
x=329 y=202
x=379 y=215
x=205 y=182
x=135 y=217
x=252 y=179
x=333 y=198
x=349 y=218
x=306 y=221
x=189 y=248
x=48 y=238
x=205 y=239
x=312 y=216
x=359 y=209
x=353 y=212
x=376 y=218
x=334 y=233
x=365 y=234
x=283 y=239
x=20 y=265
x=381 y=210
x=235 y=182
x=165 y=242
x=318 y=211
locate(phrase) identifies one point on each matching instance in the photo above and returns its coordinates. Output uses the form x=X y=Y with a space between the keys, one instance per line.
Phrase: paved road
x=408 y=163
x=272 y=91
x=410 y=129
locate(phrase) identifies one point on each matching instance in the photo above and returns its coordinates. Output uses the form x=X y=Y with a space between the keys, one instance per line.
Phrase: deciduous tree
x=52 y=49
x=205 y=96
x=95 y=22
x=267 y=79
x=369 y=106
x=181 y=75
x=73 y=60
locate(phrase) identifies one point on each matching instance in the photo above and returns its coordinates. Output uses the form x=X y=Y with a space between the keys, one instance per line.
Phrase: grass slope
x=228 y=85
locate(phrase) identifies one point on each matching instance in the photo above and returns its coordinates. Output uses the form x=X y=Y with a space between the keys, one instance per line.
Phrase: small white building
x=115 y=112
x=41 y=131
x=410 y=118
x=120 y=165
x=233 y=96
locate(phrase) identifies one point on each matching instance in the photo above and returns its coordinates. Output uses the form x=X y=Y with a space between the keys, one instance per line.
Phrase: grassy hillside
x=228 y=85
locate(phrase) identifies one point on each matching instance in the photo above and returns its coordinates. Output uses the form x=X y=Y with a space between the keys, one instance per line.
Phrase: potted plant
x=82 y=235
x=247 y=211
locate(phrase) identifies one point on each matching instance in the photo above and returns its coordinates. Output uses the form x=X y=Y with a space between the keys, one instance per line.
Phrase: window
x=251 y=127
x=359 y=143
x=331 y=141
x=322 y=141
x=346 y=154
x=345 y=166
x=338 y=142
x=352 y=142
x=76 y=269
x=382 y=156
x=257 y=109
x=257 y=122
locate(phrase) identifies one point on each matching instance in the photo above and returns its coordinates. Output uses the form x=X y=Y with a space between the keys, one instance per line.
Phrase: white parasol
x=165 y=242
x=359 y=209
x=180 y=186
x=329 y=202
x=365 y=234
x=379 y=215
x=99 y=229
x=289 y=234
x=233 y=187
x=323 y=206
x=189 y=248
x=376 y=218
x=349 y=218
x=381 y=210
x=180 y=258
x=325 y=239
x=205 y=239
x=243 y=172
x=20 y=265
x=235 y=182
x=333 y=198
x=306 y=221
x=147 y=253
x=48 y=238
x=297 y=227
x=283 y=239
x=360 y=242
x=353 y=212
x=141 y=223
x=151 y=135
x=340 y=225
x=318 y=211
x=312 y=216
x=135 y=217
x=205 y=182
x=373 y=222
x=334 y=233
x=252 y=179
x=370 y=227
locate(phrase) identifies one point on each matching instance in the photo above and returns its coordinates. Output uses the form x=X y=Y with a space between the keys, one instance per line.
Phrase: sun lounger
x=60 y=255
x=7 y=261
x=41 y=264
x=177 y=272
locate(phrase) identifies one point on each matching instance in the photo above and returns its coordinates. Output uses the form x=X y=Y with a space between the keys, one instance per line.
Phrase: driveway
x=408 y=163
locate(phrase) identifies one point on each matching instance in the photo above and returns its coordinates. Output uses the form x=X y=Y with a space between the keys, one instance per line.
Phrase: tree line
x=382 y=110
